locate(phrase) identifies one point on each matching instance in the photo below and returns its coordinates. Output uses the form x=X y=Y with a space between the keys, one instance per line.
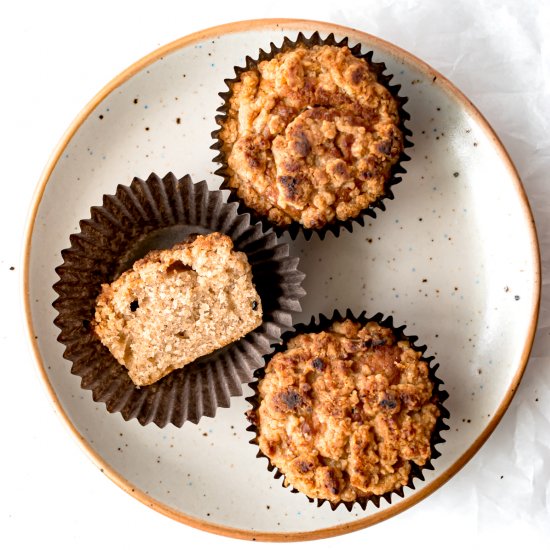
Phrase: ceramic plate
x=454 y=257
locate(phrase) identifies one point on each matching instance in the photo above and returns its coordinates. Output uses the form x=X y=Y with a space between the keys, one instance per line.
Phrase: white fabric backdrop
x=55 y=57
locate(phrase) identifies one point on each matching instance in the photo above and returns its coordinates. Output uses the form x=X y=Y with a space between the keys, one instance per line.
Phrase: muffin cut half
x=176 y=305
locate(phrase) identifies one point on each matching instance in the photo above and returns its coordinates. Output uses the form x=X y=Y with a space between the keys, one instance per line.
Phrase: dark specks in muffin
x=516 y=297
x=147 y=128
x=12 y=268
x=291 y=399
x=318 y=364
x=100 y=117
x=388 y=403
x=456 y=174
x=178 y=120
x=135 y=100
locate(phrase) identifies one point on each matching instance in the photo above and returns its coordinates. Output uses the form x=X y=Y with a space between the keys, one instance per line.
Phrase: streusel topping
x=311 y=136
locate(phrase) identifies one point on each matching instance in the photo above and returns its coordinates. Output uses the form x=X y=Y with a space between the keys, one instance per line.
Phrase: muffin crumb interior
x=176 y=305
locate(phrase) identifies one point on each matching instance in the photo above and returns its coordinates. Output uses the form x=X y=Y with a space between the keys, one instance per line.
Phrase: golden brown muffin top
x=344 y=412
x=311 y=136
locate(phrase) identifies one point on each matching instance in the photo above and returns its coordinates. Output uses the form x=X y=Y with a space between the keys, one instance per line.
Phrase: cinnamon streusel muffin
x=311 y=136
x=346 y=413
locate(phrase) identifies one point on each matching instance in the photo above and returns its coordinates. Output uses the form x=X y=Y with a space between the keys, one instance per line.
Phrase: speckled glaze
x=454 y=257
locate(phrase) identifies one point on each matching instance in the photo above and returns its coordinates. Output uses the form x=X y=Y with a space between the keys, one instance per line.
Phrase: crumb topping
x=311 y=136
x=343 y=413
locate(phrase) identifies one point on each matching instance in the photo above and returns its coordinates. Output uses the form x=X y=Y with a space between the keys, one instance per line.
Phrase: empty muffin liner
x=156 y=214
x=440 y=396
x=380 y=69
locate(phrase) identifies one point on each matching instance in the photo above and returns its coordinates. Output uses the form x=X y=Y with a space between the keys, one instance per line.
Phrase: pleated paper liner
x=385 y=79
x=439 y=396
x=156 y=214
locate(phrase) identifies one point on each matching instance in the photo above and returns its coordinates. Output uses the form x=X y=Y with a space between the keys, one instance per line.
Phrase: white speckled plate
x=455 y=257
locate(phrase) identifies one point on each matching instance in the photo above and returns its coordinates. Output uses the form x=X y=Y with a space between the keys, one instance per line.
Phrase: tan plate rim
x=304 y=25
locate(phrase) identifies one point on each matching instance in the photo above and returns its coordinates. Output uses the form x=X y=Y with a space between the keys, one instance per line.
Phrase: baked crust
x=344 y=412
x=176 y=305
x=310 y=136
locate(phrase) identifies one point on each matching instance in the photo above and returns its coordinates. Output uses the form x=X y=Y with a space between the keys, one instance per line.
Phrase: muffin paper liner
x=441 y=395
x=156 y=214
x=295 y=228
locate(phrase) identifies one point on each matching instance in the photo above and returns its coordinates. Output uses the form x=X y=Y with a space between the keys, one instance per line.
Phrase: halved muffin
x=176 y=305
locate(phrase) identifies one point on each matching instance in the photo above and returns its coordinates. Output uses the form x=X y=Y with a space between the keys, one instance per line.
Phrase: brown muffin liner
x=153 y=214
x=440 y=396
x=385 y=79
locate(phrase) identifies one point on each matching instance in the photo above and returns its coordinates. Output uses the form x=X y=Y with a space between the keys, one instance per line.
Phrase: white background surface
x=57 y=55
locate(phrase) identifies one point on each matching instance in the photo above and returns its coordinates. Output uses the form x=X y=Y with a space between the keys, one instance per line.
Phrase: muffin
x=348 y=414
x=311 y=136
x=176 y=305
x=234 y=282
